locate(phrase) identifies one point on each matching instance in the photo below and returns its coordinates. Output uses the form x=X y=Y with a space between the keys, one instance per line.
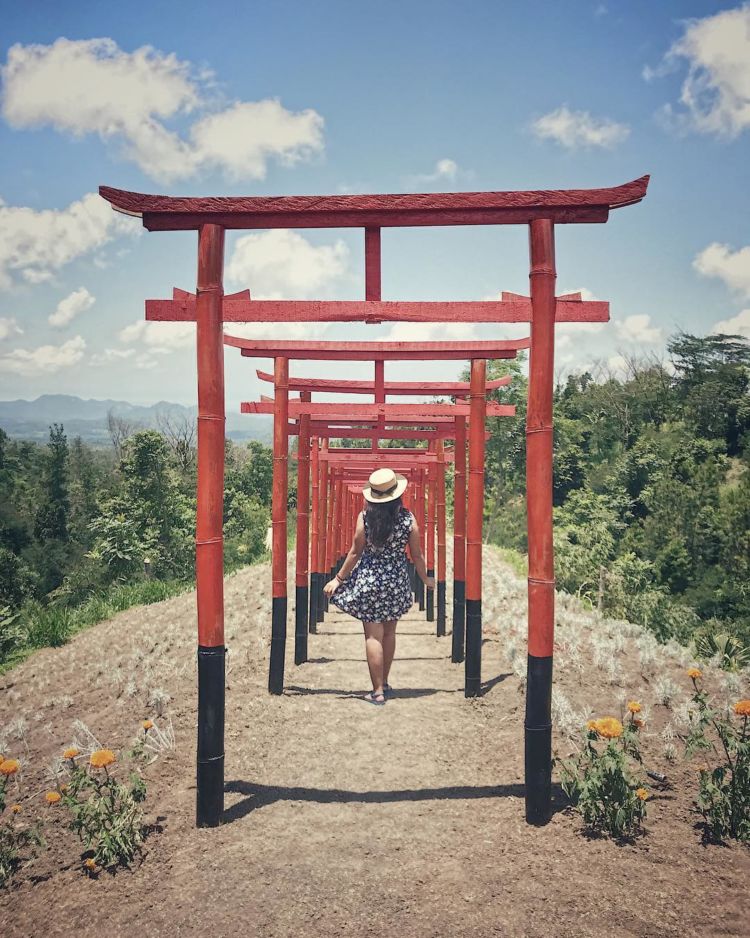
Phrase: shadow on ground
x=259 y=796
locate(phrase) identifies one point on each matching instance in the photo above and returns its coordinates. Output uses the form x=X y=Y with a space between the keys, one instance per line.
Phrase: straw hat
x=385 y=486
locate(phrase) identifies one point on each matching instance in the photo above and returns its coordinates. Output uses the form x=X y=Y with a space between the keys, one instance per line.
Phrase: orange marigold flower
x=53 y=797
x=591 y=725
x=742 y=708
x=9 y=766
x=609 y=727
x=102 y=758
x=71 y=753
x=634 y=706
x=90 y=863
x=15 y=808
x=694 y=673
x=147 y=724
x=637 y=723
x=642 y=793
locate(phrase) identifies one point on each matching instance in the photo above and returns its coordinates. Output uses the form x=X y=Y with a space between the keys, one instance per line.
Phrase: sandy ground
x=347 y=820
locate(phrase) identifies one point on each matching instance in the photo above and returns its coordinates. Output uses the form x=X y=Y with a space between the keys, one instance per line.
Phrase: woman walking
x=373 y=583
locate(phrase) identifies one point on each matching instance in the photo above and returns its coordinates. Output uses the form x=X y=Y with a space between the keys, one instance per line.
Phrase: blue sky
x=327 y=97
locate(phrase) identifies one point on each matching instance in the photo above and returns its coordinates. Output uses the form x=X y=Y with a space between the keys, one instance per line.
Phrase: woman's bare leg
x=374 y=651
x=389 y=647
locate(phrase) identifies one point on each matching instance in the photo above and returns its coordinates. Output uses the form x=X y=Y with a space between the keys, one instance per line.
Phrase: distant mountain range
x=30 y=420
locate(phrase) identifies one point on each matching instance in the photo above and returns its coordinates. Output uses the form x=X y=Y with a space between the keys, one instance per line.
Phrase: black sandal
x=388 y=692
x=372 y=698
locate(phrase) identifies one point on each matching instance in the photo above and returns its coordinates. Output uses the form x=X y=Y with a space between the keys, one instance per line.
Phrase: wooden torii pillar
x=540 y=211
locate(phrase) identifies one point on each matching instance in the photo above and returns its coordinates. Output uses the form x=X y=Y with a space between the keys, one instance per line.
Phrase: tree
x=51 y=522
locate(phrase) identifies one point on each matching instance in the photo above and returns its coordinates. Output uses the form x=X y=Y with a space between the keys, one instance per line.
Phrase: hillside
x=87 y=418
x=346 y=820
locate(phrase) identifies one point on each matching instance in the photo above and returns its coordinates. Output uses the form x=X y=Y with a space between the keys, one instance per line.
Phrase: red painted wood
x=349 y=433
x=323 y=516
x=303 y=498
x=376 y=311
x=372 y=263
x=315 y=506
x=368 y=351
x=417 y=412
x=332 y=385
x=475 y=508
x=170 y=213
x=443 y=457
x=539 y=441
x=459 y=501
x=209 y=538
x=379 y=458
x=280 y=477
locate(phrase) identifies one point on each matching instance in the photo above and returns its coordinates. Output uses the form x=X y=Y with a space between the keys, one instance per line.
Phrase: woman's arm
x=355 y=552
x=415 y=549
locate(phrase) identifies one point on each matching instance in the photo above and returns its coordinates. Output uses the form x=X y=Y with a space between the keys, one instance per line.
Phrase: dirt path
x=348 y=820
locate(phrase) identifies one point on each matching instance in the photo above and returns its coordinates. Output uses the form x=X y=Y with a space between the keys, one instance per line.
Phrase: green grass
x=52 y=626
x=515 y=559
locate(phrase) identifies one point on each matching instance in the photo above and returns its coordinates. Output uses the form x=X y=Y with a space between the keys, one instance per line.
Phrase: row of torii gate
x=330 y=480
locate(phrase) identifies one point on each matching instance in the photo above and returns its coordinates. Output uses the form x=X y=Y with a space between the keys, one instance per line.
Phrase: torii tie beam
x=540 y=211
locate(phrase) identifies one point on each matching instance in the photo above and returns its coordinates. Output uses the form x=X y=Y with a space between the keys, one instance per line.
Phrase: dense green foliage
x=651 y=486
x=85 y=531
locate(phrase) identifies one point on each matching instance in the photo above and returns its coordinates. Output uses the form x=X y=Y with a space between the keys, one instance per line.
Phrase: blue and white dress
x=378 y=589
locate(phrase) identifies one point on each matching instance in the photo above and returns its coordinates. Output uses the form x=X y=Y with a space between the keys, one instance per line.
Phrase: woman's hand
x=430 y=582
x=331 y=586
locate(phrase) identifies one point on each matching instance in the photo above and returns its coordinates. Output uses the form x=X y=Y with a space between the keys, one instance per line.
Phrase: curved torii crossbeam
x=540 y=210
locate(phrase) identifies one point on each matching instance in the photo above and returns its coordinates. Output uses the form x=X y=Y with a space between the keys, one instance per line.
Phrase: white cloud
x=715 y=94
x=281 y=264
x=431 y=332
x=737 y=325
x=73 y=305
x=159 y=337
x=618 y=364
x=8 y=327
x=110 y=355
x=733 y=267
x=445 y=171
x=638 y=328
x=92 y=86
x=46 y=359
x=574 y=129
x=276 y=330
x=35 y=244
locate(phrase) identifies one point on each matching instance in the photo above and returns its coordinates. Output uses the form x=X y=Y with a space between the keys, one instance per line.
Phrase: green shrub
x=602 y=781
x=106 y=813
x=17 y=839
x=48 y=626
x=724 y=791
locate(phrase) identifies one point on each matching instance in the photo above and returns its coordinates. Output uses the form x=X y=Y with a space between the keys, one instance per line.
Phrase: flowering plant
x=724 y=791
x=602 y=780
x=106 y=812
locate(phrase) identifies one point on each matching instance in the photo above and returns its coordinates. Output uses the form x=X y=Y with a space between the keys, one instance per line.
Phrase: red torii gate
x=381 y=389
x=282 y=409
x=540 y=210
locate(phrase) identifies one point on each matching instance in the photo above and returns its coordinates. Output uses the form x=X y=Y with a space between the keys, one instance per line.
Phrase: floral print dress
x=378 y=589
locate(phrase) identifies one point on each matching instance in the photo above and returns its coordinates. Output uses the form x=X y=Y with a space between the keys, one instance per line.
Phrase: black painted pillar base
x=412 y=577
x=314 y=588
x=459 y=621
x=209 y=804
x=538 y=739
x=473 y=665
x=321 y=597
x=430 y=600
x=441 y=607
x=278 y=645
x=419 y=593
x=300 y=624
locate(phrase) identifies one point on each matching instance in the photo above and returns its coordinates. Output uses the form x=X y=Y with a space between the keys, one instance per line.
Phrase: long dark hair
x=381 y=520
